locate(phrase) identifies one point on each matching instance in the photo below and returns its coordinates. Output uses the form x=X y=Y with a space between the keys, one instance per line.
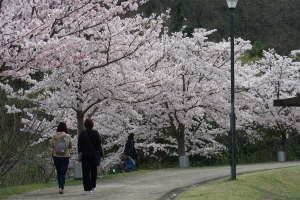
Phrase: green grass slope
x=265 y=185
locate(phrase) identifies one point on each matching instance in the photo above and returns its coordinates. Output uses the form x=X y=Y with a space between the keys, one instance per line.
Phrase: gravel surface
x=165 y=184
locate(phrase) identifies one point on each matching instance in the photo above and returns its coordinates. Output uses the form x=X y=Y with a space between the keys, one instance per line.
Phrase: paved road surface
x=163 y=184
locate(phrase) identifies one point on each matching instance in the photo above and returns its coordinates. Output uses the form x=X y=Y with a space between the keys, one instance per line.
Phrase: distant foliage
x=275 y=23
x=256 y=50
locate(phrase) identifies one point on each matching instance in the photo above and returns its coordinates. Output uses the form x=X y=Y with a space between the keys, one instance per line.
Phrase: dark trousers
x=89 y=172
x=61 y=165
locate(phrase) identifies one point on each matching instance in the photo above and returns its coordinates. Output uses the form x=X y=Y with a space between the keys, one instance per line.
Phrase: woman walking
x=89 y=168
x=61 y=158
x=130 y=152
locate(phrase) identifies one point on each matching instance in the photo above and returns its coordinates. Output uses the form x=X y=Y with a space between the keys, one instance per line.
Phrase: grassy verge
x=11 y=191
x=272 y=184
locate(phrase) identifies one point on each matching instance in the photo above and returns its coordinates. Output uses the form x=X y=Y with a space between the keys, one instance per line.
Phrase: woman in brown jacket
x=61 y=162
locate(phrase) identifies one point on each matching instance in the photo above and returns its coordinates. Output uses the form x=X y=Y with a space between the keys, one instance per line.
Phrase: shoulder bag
x=123 y=156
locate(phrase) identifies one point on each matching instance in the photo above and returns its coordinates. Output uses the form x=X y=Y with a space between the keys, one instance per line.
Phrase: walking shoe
x=60 y=191
x=123 y=171
x=89 y=192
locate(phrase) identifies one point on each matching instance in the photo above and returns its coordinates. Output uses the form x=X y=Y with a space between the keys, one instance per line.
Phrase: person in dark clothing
x=89 y=168
x=130 y=152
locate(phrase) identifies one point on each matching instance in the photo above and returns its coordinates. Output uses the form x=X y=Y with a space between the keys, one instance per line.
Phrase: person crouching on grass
x=130 y=152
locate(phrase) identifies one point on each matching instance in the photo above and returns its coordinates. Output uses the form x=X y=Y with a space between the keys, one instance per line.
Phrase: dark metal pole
x=232 y=115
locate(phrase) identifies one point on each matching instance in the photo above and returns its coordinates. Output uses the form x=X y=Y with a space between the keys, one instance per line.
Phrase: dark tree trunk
x=283 y=141
x=80 y=122
x=181 y=140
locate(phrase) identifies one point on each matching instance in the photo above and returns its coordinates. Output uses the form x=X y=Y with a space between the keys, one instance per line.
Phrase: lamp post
x=232 y=5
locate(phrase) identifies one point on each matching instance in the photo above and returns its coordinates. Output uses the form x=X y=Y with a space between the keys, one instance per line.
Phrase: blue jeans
x=61 y=165
x=129 y=164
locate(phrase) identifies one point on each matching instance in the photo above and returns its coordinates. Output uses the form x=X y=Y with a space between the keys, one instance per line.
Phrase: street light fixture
x=232 y=5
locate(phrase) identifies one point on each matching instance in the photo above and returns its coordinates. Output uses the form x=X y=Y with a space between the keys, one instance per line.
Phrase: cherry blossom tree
x=198 y=98
x=83 y=37
x=117 y=69
x=275 y=77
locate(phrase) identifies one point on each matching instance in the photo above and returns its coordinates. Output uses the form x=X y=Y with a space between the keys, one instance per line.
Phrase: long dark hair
x=62 y=127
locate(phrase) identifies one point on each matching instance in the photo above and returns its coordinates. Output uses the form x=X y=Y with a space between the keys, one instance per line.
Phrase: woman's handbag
x=97 y=153
x=123 y=156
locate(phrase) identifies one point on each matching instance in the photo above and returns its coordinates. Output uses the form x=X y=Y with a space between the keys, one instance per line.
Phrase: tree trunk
x=181 y=140
x=80 y=122
x=283 y=141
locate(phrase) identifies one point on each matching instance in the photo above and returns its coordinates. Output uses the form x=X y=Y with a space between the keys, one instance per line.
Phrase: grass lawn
x=265 y=185
x=11 y=191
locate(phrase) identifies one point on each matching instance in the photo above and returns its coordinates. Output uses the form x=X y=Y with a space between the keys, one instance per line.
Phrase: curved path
x=163 y=184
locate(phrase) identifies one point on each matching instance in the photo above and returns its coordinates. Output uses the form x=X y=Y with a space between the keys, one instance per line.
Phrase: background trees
x=197 y=98
x=254 y=20
x=277 y=77
x=21 y=160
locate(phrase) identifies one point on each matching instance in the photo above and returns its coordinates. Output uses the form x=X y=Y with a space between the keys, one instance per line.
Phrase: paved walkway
x=163 y=184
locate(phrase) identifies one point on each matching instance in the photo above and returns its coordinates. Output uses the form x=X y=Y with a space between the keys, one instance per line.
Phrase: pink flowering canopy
x=38 y=35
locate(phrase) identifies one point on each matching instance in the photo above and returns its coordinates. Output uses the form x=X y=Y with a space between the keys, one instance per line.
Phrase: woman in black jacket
x=130 y=152
x=89 y=168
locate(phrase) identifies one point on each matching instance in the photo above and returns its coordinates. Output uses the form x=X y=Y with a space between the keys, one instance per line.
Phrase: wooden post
x=292 y=102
